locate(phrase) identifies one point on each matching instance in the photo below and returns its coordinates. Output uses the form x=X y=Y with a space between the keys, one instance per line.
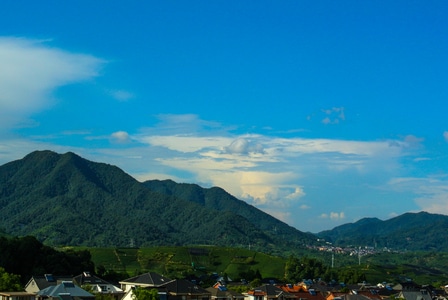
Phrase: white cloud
x=121 y=95
x=445 y=135
x=31 y=70
x=334 y=115
x=430 y=193
x=412 y=140
x=243 y=146
x=334 y=216
x=120 y=137
x=185 y=144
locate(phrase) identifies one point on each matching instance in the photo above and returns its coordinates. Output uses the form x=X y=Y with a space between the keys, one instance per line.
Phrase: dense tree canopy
x=9 y=282
x=304 y=268
x=26 y=256
x=145 y=294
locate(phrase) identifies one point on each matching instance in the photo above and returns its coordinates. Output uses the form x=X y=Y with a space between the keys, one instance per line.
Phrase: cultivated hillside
x=63 y=199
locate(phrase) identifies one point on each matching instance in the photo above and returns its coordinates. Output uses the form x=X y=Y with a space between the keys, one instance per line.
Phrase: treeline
x=298 y=269
x=26 y=256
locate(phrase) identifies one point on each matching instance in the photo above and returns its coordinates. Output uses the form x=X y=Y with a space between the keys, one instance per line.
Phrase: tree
x=9 y=282
x=304 y=268
x=255 y=283
x=144 y=294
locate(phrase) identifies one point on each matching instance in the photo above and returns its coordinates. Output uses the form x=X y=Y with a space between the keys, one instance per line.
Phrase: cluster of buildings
x=87 y=286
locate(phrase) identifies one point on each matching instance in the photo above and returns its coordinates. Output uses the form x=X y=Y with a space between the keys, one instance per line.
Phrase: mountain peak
x=59 y=192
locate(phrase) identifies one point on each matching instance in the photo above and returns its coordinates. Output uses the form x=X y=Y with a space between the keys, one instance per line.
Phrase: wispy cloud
x=121 y=95
x=334 y=216
x=31 y=71
x=334 y=115
x=431 y=193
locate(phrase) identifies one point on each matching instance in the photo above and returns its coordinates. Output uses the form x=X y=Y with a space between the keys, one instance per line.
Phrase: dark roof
x=182 y=286
x=270 y=290
x=223 y=293
x=65 y=288
x=414 y=295
x=87 y=278
x=356 y=297
x=44 y=281
x=148 y=279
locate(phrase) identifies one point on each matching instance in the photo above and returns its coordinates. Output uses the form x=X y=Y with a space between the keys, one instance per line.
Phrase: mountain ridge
x=409 y=231
x=64 y=199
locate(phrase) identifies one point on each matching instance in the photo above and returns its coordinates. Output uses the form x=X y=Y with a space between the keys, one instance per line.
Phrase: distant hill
x=63 y=199
x=410 y=231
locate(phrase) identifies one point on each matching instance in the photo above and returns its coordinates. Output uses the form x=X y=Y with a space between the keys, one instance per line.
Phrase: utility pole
x=359 y=255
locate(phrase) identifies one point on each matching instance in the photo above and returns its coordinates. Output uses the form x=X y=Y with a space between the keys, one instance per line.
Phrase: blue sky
x=317 y=112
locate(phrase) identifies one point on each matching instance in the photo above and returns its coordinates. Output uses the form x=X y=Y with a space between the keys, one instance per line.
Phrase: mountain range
x=64 y=199
x=410 y=231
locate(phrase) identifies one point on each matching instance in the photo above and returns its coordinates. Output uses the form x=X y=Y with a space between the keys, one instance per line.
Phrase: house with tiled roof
x=269 y=292
x=150 y=279
x=181 y=289
x=303 y=291
x=361 y=292
x=17 y=296
x=370 y=293
x=97 y=285
x=221 y=292
x=40 y=282
x=66 y=290
x=415 y=295
x=349 y=296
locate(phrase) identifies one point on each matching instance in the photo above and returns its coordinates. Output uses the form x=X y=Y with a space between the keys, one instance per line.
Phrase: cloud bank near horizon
x=276 y=173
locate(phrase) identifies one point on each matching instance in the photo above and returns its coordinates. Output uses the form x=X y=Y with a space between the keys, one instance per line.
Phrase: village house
x=181 y=289
x=269 y=292
x=40 y=282
x=221 y=292
x=167 y=289
x=66 y=290
x=16 y=296
x=150 y=279
x=302 y=292
x=98 y=285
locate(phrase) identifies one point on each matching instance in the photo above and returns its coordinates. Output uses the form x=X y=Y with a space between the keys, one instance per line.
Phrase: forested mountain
x=216 y=198
x=63 y=199
x=410 y=231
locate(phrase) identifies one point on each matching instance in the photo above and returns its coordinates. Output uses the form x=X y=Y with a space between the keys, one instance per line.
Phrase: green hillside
x=183 y=261
x=411 y=231
x=178 y=262
x=63 y=199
